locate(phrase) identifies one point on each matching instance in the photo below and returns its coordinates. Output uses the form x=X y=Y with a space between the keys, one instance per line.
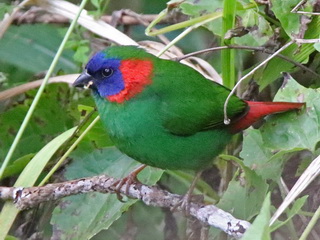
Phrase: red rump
x=258 y=110
x=136 y=74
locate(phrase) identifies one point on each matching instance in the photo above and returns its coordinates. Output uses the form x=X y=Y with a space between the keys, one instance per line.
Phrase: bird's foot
x=184 y=203
x=127 y=181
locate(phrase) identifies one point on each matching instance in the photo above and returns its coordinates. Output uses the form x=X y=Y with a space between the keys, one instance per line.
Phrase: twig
x=316 y=40
x=37 y=15
x=8 y=18
x=261 y=49
x=299 y=5
x=226 y=119
x=208 y=214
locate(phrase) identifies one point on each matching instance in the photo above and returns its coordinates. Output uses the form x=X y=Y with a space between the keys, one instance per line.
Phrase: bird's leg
x=132 y=177
x=184 y=203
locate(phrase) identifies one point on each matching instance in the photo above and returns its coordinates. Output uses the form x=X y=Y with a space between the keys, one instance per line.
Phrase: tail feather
x=258 y=110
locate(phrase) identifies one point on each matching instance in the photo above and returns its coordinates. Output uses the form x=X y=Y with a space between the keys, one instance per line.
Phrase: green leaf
x=301 y=54
x=49 y=119
x=82 y=54
x=29 y=176
x=267 y=149
x=201 y=187
x=261 y=158
x=243 y=199
x=290 y=22
x=259 y=28
x=317 y=46
x=297 y=205
x=17 y=166
x=38 y=49
x=4 y=9
x=98 y=210
x=260 y=227
x=294 y=129
x=199 y=8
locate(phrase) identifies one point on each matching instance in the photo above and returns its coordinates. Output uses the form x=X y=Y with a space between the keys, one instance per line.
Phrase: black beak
x=85 y=80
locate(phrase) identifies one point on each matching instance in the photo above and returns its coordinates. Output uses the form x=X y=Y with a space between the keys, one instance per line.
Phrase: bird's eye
x=107 y=72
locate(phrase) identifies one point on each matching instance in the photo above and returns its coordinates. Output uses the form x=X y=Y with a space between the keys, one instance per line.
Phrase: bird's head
x=117 y=73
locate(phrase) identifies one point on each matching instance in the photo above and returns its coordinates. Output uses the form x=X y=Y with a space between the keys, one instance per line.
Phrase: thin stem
x=261 y=49
x=186 y=32
x=40 y=91
x=226 y=119
x=185 y=23
x=228 y=57
x=294 y=10
x=67 y=153
x=311 y=224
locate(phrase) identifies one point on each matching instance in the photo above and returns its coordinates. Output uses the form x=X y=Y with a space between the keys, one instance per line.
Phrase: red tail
x=258 y=110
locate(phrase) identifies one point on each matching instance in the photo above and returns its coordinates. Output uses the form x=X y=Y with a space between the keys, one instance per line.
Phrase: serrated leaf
x=97 y=211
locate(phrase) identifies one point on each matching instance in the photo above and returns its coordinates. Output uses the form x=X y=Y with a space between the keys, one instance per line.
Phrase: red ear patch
x=136 y=74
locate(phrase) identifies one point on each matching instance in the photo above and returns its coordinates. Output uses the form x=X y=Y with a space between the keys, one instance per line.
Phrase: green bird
x=163 y=113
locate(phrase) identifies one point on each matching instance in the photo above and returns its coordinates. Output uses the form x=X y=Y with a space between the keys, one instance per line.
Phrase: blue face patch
x=105 y=86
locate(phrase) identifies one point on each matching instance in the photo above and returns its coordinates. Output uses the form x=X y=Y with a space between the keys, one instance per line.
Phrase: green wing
x=191 y=103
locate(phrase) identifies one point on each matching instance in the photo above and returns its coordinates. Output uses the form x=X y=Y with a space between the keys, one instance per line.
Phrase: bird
x=163 y=113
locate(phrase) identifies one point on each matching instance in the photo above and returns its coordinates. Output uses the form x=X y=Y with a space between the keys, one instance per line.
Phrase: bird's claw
x=184 y=203
x=128 y=180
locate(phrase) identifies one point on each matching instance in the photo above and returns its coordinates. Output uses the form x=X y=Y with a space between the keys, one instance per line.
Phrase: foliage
x=252 y=188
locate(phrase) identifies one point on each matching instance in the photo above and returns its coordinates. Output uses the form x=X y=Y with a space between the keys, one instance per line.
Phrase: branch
x=260 y=49
x=39 y=15
x=153 y=196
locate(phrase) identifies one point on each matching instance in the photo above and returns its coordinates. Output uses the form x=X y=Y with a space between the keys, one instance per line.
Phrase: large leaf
x=83 y=216
x=262 y=159
x=292 y=23
x=276 y=66
x=267 y=149
x=49 y=119
x=294 y=129
x=259 y=28
x=249 y=193
x=30 y=48
x=29 y=176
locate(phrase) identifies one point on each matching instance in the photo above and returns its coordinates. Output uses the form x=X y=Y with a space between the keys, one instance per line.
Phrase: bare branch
x=226 y=119
x=260 y=49
x=153 y=196
x=38 y=15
